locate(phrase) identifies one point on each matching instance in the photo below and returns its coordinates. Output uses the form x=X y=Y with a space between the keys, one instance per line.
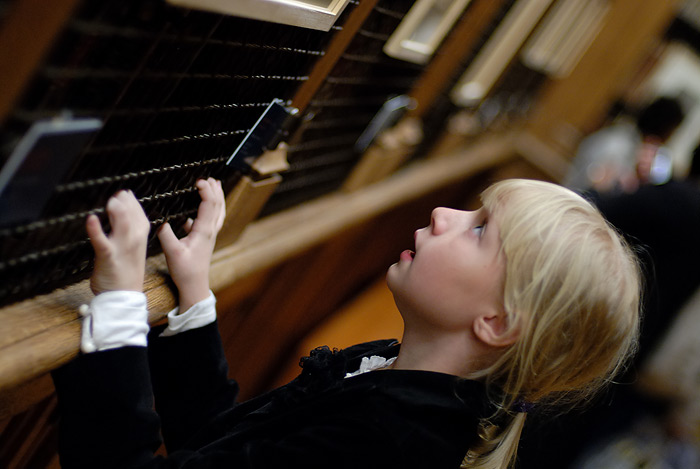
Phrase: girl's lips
x=407 y=255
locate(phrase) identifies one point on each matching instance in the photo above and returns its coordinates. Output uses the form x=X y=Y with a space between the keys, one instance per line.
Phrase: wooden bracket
x=386 y=154
x=248 y=197
x=272 y=161
x=462 y=127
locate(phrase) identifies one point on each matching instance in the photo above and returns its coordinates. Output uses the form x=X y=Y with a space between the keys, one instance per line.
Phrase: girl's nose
x=443 y=219
x=440 y=220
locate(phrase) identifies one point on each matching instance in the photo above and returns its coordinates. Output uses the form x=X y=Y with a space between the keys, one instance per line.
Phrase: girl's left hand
x=120 y=258
x=189 y=258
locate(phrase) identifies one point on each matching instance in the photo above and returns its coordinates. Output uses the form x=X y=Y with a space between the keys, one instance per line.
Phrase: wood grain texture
x=16 y=400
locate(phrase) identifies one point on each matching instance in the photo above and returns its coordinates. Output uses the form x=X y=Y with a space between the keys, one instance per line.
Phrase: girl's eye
x=479 y=230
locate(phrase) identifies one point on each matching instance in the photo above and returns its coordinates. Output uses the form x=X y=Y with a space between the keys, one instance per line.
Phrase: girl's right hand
x=189 y=258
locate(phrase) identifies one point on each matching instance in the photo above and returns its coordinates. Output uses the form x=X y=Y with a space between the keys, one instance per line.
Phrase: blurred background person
x=628 y=152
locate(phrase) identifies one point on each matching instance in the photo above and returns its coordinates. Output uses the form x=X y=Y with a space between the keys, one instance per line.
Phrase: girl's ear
x=492 y=329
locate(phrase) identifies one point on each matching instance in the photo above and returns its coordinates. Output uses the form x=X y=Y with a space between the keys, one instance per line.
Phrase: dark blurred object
x=660 y=118
x=39 y=162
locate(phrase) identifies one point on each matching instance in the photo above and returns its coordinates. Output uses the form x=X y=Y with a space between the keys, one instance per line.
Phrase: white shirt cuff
x=199 y=315
x=114 y=319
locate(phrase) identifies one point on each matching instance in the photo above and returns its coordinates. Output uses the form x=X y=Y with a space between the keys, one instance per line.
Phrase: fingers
x=120 y=256
x=219 y=194
x=206 y=188
x=127 y=218
x=97 y=236
x=116 y=212
x=212 y=210
x=167 y=238
x=126 y=215
x=188 y=225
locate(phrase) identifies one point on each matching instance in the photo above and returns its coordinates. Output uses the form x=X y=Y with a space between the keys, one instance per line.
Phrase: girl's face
x=456 y=272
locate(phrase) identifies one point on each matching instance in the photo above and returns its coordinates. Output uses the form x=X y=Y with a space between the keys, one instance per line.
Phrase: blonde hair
x=572 y=290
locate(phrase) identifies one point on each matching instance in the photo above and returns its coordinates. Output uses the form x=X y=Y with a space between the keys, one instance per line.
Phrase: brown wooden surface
x=376 y=164
x=458 y=45
x=24 y=444
x=243 y=204
x=41 y=334
x=25 y=36
x=19 y=399
x=338 y=44
x=552 y=162
x=386 y=154
x=575 y=105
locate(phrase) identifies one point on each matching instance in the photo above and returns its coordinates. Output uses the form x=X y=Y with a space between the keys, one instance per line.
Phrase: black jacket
x=382 y=419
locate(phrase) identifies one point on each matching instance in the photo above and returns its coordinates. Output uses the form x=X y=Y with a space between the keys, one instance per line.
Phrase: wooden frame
x=498 y=52
x=317 y=14
x=456 y=47
x=407 y=42
x=564 y=36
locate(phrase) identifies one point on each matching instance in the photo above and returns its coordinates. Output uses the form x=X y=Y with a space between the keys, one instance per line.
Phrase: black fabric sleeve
x=189 y=374
x=106 y=406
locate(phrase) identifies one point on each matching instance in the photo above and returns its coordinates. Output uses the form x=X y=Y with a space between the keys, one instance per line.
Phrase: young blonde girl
x=571 y=291
x=530 y=300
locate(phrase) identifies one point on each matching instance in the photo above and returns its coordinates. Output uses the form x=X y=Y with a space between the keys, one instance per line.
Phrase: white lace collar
x=372 y=363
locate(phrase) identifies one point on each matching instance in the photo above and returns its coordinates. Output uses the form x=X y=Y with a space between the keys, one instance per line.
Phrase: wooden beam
x=550 y=161
x=26 y=36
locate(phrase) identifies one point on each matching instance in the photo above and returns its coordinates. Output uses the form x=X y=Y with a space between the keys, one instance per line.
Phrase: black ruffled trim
x=323 y=369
